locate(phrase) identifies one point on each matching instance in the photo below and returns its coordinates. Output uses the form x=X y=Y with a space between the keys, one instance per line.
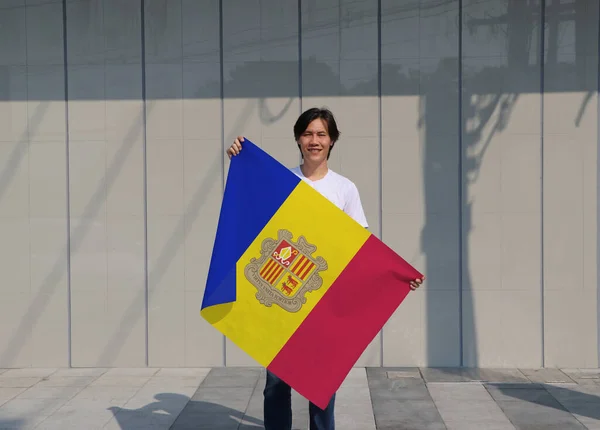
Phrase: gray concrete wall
x=469 y=127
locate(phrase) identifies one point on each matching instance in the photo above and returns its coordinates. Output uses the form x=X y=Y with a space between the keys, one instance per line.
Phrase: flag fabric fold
x=295 y=282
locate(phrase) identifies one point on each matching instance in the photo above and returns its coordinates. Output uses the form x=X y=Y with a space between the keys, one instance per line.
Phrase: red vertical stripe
x=275 y=274
x=298 y=263
x=321 y=352
x=301 y=267
x=269 y=272
x=266 y=268
x=307 y=270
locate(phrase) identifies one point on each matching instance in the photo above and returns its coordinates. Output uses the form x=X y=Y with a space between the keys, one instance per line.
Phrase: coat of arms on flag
x=286 y=271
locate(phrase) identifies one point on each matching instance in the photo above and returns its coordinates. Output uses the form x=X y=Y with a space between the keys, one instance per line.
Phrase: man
x=316 y=133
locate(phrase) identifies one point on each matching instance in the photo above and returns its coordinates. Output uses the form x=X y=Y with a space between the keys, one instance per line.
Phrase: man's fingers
x=415 y=284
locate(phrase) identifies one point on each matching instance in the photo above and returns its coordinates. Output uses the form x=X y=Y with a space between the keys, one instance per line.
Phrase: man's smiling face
x=315 y=141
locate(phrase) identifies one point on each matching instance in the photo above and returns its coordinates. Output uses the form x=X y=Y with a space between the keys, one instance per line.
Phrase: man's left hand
x=416 y=283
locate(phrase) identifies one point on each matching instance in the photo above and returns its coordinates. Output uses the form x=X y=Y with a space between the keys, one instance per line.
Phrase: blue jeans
x=278 y=408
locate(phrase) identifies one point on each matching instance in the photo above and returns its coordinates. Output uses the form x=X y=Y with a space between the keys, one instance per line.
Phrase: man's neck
x=314 y=172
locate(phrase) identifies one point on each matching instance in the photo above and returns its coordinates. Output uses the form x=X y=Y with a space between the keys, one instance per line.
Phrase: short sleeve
x=353 y=206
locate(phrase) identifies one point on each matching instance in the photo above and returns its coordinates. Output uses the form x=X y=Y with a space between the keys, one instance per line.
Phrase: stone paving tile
x=132 y=371
x=15 y=424
x=476 y=415
x=220 y=408
x=408 y=414
x=583 y=401
x=79 y=414
x=41 y=392
x=151 y=407
x=183 y=372
x=402 y=403
x=66 y=381
x=18 y=382
x=142 y=420
x=28 y=372
x=232 y=377
x=175 y=381
x=108 y=395
x=89 y=409
x=580 y=376
x=7 y=394
x=546 y=376
x=166 y=398
x=395 y=388
x=468 y=406
x=591 y=371
x=353 y=409
x=120 y=381
x=472 y=375
x=221 y=400
x=403 y=372
x=80 y=372
x=253 y=416
x=533 y=408
x=29 y=411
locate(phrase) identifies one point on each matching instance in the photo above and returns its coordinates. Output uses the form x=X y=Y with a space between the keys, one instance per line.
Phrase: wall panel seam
x=542 y=242
x=68 y=181
x=222 y=96
x=300 y=56
x=380 y=127
x=460 y=187
x=145 y=177
x=598 y=191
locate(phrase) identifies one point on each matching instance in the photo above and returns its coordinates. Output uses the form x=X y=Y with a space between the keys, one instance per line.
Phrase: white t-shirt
x=340 y=191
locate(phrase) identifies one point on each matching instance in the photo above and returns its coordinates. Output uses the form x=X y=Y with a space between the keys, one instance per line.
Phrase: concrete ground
x=231 y=398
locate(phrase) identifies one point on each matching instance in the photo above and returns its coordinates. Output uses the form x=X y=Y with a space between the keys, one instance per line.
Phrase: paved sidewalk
x=231 y=398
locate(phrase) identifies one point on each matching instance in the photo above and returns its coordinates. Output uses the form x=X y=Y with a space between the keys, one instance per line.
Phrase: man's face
x=315 y=141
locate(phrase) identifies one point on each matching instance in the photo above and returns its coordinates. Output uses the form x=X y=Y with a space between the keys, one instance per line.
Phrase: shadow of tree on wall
x=483 y=104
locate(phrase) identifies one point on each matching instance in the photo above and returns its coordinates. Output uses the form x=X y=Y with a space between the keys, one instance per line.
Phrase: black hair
x=309 y=116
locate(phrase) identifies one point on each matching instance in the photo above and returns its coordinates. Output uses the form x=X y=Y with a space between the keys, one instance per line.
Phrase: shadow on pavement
x=183 y=413
x=577 y=402
x=15 y=423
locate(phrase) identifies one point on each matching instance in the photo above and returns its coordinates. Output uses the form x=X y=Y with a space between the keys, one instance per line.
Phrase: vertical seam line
x=222 y=96
x=300 y=54
x=68 y=181
x=380 y=125
x=598 y=189
x=145 y=175
x=542 y=242
x=460 y=186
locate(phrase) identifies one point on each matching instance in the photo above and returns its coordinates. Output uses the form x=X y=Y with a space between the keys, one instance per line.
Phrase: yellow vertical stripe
x=262 y=330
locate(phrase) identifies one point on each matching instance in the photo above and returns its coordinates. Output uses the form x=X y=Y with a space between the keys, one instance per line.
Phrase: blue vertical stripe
x=248 y=205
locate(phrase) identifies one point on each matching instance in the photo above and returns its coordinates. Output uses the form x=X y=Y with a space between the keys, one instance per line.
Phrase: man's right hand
x=235 y=147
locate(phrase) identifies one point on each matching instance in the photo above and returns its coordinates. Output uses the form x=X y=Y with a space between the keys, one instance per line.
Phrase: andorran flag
x=295 y=282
